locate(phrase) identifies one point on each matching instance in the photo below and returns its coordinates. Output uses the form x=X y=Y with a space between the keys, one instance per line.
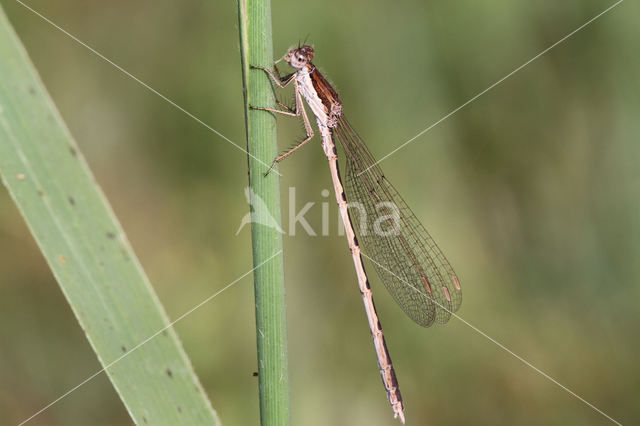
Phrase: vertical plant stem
x=256 y=49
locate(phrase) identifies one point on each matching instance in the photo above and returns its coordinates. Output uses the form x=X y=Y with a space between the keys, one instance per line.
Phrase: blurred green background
x=531 y=191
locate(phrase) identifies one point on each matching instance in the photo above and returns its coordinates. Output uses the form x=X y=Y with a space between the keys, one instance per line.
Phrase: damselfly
x=409 y=262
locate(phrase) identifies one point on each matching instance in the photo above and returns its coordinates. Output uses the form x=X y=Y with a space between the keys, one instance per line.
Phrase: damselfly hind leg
x=289 y=152
x=285 y=106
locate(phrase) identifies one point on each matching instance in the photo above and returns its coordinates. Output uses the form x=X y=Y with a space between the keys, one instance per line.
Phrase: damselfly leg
x=299 y=111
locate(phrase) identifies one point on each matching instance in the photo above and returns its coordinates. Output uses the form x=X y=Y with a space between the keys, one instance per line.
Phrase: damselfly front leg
x=282 y=82
x=299 y=111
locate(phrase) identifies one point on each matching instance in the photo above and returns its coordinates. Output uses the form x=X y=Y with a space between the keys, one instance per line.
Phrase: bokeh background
x=532 y=191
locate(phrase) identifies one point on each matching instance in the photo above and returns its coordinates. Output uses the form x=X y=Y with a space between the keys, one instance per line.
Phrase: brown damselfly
x=408 y=261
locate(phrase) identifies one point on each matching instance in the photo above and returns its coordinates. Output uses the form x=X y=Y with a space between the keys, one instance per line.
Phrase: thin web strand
x=501 y=346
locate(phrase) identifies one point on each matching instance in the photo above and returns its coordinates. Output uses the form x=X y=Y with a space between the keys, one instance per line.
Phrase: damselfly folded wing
x=407 y=259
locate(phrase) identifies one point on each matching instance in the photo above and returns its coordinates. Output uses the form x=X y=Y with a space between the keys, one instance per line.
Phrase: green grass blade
x=256 y=49
x=88 y=252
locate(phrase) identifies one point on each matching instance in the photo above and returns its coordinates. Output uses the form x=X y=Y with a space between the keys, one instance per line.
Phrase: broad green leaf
x=88 y=252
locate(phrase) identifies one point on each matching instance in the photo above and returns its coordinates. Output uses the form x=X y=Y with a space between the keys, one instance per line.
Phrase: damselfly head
x=299 y=57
